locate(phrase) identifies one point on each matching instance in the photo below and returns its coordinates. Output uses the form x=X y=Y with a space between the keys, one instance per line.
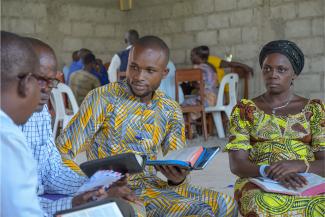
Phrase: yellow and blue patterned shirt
x=111 y=121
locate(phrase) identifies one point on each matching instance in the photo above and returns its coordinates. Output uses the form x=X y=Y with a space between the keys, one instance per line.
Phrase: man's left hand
x=174 y=174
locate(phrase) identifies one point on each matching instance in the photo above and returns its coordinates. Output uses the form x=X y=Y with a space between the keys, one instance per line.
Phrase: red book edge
x=318 y=189
x=196 y=156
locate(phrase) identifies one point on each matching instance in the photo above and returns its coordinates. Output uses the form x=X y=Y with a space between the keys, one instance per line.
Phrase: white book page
x=100 y=178
x=104 y=210
x=182 y=154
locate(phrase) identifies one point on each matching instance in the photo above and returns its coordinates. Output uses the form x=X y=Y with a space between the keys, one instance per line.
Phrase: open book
x=97 y=209
x=193 y=158
x=315 y=186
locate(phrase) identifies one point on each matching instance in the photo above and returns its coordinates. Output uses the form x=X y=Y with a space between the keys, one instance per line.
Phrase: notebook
x=315 y=186
x=192 y=158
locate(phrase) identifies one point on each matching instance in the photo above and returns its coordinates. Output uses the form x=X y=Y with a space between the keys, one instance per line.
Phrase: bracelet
x=307 y=165
x=262 y=170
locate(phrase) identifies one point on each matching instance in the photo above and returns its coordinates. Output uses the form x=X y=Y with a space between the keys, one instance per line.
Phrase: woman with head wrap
x=277 y=135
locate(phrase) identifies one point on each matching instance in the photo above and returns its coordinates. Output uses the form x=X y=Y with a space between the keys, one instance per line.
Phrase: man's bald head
x=17 y=58
x=156 y=43
x=41 y=47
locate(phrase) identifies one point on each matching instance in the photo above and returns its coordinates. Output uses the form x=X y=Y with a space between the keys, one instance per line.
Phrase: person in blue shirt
x=20 y=88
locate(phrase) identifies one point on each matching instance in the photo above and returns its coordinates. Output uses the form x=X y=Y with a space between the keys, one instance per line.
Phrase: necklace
x=274 y=109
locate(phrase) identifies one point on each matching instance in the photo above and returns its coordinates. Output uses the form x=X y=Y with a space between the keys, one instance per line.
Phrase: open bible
x=192 y=158
x=315 y=186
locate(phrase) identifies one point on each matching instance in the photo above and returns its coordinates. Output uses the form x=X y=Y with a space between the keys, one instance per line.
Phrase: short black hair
x=75 y=55
x=17 y=58
x=151 y=41
x=202 y=51
x=133 y=36
x=89 y=58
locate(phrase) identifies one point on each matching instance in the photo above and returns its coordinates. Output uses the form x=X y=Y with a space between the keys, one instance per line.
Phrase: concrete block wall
x=239 y=27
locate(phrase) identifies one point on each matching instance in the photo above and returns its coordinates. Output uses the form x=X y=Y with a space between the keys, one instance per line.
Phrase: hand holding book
x=174 y=174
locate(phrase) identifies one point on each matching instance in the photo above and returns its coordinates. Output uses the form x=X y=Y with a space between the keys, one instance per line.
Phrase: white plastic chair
x=232 y=80
x=57 y=101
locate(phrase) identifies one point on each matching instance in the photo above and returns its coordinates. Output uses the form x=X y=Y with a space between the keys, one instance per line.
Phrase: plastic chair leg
x=218 y=122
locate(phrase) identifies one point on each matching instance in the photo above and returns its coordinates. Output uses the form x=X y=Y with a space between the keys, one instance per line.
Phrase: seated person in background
x=53 y=176
x=83 y=81
x=219 y=64
x=199 y=60
x=167 y=84
x=20 y=95
x=78 y=65
x=277 y=135
x=101 y=70
x=119 y=61
x=75 y=65
x=133 y=116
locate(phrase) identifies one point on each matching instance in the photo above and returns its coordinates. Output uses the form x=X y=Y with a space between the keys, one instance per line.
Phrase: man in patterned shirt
x=133 y=116
x=53 y=176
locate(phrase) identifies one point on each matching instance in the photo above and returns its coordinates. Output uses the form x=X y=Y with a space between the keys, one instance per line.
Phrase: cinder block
x=317 y=95
x=195 y=23
x=311 y=45
x=220 y=20
x=181 y=9
x=104 y=30
x=298 y=28
x=72 y=44
x=82 y=29
x=310 y=8
x=65 y=27
x=113 y=15
x=222 y=5
x=318 y=26
x=242 y=17
x=285 y=11
x=231 y=35
x=168 y=26
x=22 y=26
x=249 y=34
x=249 y=3
x=206 y=37
x=182 y=41
x=203 y=6
x=178 y=56
x=314 y=81
x=317 y=64
x=246 y=51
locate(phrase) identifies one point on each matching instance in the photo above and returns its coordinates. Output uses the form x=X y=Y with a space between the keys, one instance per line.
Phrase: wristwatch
x=262 y=170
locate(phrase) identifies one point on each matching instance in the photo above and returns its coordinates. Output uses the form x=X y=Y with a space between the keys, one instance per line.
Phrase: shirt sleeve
x=79 y=134
x=175 y=132
x=18 y=178
x=113 y=68
x=53 y=206
x=317 y=125
x=239 y=138
x=58 y=178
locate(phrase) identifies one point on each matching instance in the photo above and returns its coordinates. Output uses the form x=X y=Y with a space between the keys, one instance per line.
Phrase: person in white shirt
x=119 y=61
x=20 y=95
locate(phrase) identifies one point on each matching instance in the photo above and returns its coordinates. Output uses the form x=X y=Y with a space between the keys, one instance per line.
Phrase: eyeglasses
x=279 y=69
x=43 y=82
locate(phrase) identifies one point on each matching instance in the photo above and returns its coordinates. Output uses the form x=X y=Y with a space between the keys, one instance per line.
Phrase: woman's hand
x=281 y=168
x=173 y=173
x=293 y=180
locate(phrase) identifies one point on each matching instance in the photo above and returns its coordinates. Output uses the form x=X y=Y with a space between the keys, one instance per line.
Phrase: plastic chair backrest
x=58 y=102
x=232 y=80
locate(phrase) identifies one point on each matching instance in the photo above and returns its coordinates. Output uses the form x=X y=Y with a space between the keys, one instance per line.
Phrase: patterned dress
x=112 y=121
x=271 y=138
